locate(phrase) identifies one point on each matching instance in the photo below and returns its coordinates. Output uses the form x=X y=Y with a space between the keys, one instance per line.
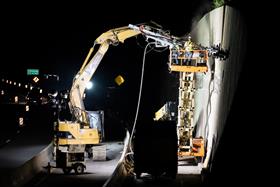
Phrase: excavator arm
x=113 y=36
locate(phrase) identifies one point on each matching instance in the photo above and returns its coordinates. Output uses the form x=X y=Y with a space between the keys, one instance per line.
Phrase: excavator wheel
x=79 y=168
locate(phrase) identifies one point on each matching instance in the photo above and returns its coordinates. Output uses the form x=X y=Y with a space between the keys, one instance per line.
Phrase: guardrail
x=119 y=175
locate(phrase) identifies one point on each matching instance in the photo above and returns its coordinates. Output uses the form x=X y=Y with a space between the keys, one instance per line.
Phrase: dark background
x=55 y=38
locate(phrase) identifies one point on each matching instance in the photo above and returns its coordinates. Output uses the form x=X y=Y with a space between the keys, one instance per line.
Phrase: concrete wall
x=216 y=88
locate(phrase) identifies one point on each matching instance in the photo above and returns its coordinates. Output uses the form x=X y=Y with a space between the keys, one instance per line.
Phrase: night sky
x=53 y=36
x=56 y=37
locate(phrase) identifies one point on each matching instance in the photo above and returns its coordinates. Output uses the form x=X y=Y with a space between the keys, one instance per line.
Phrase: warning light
x=16 y=99
x=119 y=80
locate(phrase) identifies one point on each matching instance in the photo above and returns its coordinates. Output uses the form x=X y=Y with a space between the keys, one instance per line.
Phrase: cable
x=139 y=96
x=162 y=50
x=209 y=104
x=129 y=162
x=152 y=48
x=128 y=159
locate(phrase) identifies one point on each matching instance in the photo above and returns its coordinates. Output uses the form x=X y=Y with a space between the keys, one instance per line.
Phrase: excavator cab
x=183 y=60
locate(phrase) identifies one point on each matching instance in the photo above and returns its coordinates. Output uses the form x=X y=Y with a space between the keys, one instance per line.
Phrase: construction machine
x=73 y=137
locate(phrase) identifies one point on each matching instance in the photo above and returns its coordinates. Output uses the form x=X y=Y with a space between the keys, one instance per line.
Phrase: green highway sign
x=32 y=71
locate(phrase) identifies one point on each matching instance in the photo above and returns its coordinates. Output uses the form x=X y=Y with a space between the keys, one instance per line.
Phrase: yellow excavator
x=72 y=137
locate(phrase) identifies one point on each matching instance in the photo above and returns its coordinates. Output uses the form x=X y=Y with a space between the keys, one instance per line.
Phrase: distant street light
x=16 y=99
x=20 y=121
x=47 y=76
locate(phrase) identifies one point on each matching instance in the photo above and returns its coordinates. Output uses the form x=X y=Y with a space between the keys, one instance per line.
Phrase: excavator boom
x=88 y=68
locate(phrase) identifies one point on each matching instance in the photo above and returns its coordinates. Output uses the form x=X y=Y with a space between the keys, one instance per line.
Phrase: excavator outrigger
x=72 y=137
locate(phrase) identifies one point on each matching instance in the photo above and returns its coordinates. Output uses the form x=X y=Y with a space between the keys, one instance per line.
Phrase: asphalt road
x=96 y=173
